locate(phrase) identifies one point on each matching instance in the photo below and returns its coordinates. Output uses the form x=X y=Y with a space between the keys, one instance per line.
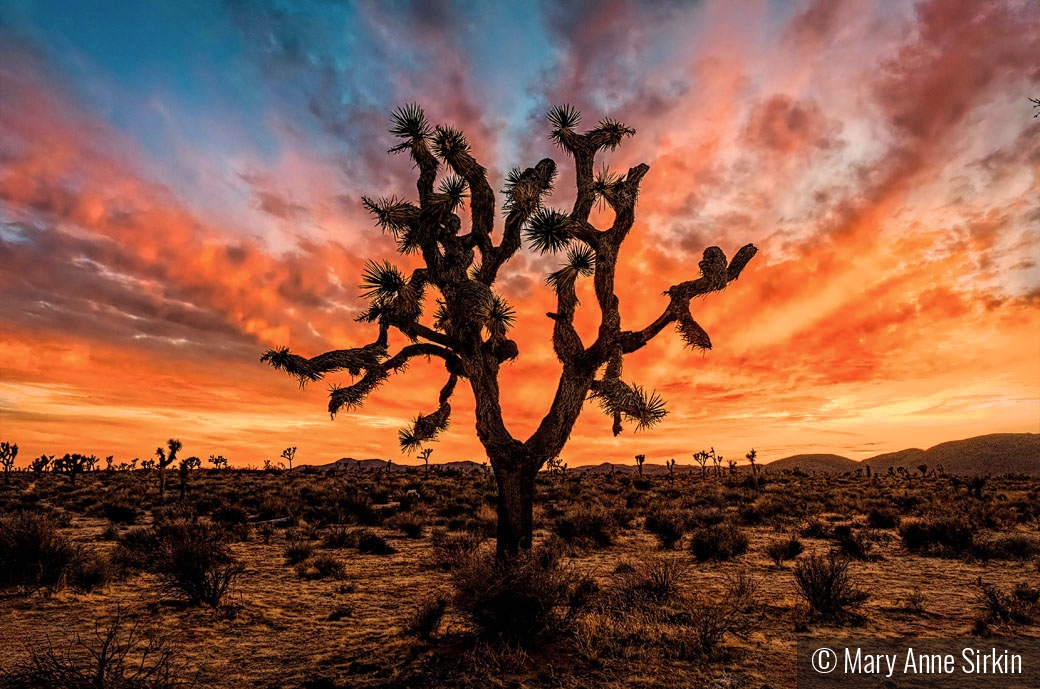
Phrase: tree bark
x=515 y=509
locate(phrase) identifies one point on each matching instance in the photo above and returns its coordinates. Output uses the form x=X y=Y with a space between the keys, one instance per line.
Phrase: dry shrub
x=1004 y=609
x=411 y=524
x=452 y=550
x=719 y=543
x=35 y=555
x=426 y=619
x=519 y=600
x=826 y=585
x=587 y=526
x=668 y=526
x=121 y=655
x=784 y=549
x=939 y=536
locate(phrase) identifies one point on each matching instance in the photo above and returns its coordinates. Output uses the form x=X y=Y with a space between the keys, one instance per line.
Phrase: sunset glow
x=180 y=189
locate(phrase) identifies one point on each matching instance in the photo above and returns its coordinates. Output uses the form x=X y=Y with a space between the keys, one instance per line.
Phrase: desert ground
x=328 y=579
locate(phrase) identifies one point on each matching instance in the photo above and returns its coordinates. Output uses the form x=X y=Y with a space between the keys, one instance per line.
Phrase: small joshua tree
x=185 y=469
x=218 y=461
x=702 y=459
x=751 y=457
x=670 y=464
x=470 y=327
x=732 y=467
x=717 y=461
x=923 y=468
x=163 y=460
x=40 y=464
x=7 y=454
x=424 y=454
x=75 y=464
x=289 y=454
x=639 y=463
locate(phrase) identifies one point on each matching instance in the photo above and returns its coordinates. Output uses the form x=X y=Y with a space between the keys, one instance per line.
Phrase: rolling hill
x=826 y=464
x=998 y=453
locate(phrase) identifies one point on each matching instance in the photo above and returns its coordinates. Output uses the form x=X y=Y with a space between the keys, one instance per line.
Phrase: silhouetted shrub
x=194 y=560
x=855 y=543
x=668 y=526
x=585 y=525
x=784 y=549
x=121 y=655
x=882 y=518
x=1006 y=608
x=825 y=584
x=655 y=579
x=426 y=619
x=370 y=543
x=452 y=550
x=297 y=550
x=120 y=512
x=942 y=536
x=517 y=601
x=229 y=514
x=323 y=566
x=34 y=554
x=719 y=543
x=411 y=524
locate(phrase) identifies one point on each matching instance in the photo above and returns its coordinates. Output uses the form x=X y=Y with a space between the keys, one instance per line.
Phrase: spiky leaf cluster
x=497 y=315
x=630 y=402
x=524 y=189
x=353 y=396
x=424 y=428
x=692 y=333
x=393 y=298
x=449 y=142
x=548 y=230
x=613 y=132
x=605 y=184
x=453 y=189
x=581 y=261
x=563 y=118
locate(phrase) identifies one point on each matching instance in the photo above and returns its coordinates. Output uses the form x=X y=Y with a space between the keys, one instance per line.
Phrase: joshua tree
x=185 y=468
x=639 y=463
x=471 y=320
x=40 y=464
x=702 y=459
x=732 y=467
x=923 y=468
x=425 y=455
x=164 y=460
x=670 y=464
x=751 y=457
x=218 y=461
x=7 y=454
x=289 y=454
x=74 y=464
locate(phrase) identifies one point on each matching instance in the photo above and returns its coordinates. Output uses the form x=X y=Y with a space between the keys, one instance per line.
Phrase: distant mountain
x=824 y=464
x=998 y=453
x=374 y=464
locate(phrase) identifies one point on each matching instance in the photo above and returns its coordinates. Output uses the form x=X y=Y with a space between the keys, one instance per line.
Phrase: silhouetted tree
x=751 y=457
x=218 y=461
x=7 y=454
x=40 y=464
x=425 y=455
x=639 y=463
x=75 y=464
x=472 y=321
x=289 y=454
x=702 y=459
x=164 y=460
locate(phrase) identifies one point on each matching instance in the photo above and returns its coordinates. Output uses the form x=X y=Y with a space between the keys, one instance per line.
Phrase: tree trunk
x=162 y=483
x=515 y=510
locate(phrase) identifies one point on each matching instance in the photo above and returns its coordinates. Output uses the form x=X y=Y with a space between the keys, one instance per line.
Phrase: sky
x=181 y=182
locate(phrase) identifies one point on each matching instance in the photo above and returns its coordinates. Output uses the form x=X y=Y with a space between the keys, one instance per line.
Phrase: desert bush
x=940 y=536
x=855 y=543
x=882 y=518
x=719 y=543
x=668 y=526
x=1017 y=546
x=519 y=601
x=120 y=512
x=653 y=579
x=368 y=542
x=34 y=554
x=1004 y=608
x=585 y=526
x=296 y=550
x=229 y=514
x=783 y=549
x=452 y=550
x=121 y=655
x=90 y=571
x=322 y=566
x=815 y=527
x=826 y=585
x=913 y=602
x=411 y=524
x=426 y=619
x=194 y=560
